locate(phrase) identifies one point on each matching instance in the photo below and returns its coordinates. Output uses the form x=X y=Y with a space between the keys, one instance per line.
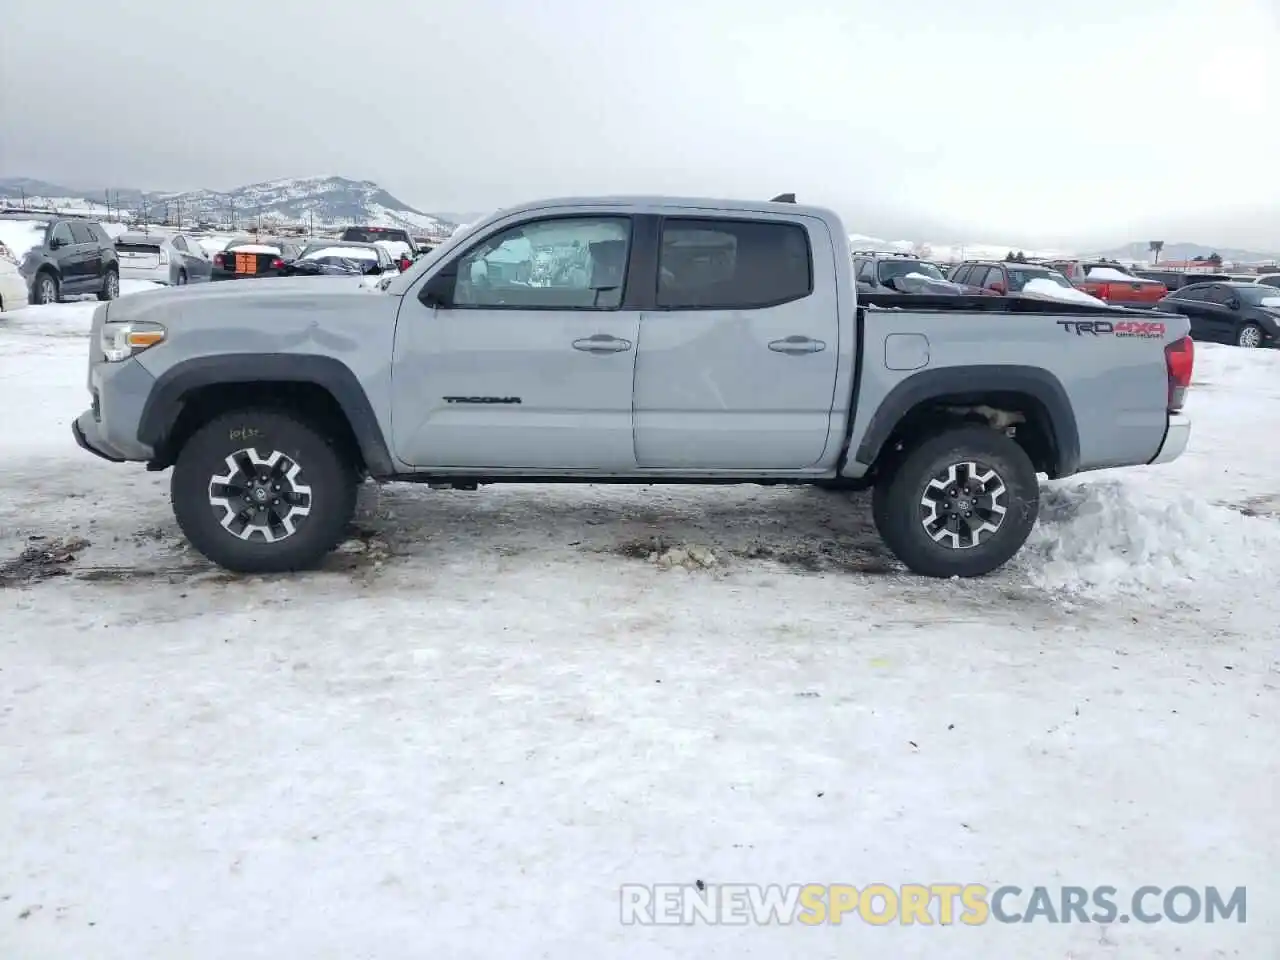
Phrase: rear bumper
x=153 y=274
x=1176 y=436
x=220 y=275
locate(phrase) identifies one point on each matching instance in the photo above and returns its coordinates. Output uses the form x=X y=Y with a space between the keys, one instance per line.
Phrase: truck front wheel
x=262 y=492
x=960 y=504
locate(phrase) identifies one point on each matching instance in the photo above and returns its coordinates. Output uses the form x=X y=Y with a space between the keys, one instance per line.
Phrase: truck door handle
x=796 y=345
x=602 y=343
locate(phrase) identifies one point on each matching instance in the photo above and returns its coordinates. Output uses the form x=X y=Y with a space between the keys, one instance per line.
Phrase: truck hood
x=262 y=297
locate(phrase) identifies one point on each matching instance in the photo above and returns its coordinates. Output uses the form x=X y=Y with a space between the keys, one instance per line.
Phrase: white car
x=173 y=261
x=13 y=286
x=1270 y=279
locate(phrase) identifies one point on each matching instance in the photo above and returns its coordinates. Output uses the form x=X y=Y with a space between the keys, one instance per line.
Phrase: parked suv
x=62 y=256
x=879 y=272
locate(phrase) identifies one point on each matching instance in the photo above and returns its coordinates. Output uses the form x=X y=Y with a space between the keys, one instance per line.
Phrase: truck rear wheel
x=262 y=492
x=960 y=504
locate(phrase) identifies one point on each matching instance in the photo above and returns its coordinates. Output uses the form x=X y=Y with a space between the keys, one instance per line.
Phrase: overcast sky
x=989 y=120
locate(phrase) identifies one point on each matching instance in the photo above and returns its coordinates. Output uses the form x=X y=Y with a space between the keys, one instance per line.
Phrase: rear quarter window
x=714 y=264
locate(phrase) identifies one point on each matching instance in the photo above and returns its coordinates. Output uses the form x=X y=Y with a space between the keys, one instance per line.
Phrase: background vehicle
x=1269 y=279
x=900 y=273
x=246 y=258
x=1111 y=282
x=646 y=341
x=335 y=258
x=1246 y=314
x=391 y=235
x=173 y=261
x=13 y=285
x=1004 y=277
x=62 y=256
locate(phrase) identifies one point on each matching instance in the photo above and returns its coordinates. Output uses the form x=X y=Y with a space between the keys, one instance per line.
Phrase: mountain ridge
x=327 y=201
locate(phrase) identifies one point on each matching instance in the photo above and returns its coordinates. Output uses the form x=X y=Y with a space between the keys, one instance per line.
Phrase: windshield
x=888 y=269
x=1019 y=277
x=1254 y=293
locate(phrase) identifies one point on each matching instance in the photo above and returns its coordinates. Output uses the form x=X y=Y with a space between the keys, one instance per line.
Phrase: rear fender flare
x=1035 y=382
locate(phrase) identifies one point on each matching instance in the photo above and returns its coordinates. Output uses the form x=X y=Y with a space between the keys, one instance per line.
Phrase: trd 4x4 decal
x=1143 y=329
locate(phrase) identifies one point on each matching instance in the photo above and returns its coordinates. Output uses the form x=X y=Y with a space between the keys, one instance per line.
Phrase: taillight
x=1179 y=359
x=219 y=260
x=164 y=258
x=277 y=264
x=1103 y=292
x=405 y=264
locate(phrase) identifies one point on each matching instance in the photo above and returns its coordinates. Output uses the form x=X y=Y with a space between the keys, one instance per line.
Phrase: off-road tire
x=110 y=286
x=324 y=469
x=46 y=289
x=900 y=515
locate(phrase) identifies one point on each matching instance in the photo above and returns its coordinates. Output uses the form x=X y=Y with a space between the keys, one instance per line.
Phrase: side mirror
x=890 y=282
x=56 y=243
x=1234 y=303
x=438 y=291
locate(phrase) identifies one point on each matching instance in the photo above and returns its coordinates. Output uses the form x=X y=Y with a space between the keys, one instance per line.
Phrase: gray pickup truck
x=626 y=340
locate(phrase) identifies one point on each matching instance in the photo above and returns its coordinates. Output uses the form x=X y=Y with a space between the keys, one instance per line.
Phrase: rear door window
x=728 y=264
x=81 y=233
x=994 y=277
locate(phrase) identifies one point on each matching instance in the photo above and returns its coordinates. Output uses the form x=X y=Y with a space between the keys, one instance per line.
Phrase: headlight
x=120 y=341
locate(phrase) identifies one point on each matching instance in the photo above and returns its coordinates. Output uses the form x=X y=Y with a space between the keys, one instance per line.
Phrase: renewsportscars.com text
x=943 y=904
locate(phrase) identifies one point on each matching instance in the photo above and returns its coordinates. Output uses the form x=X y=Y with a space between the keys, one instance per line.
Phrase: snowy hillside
x=327 y=200
x=324 y=201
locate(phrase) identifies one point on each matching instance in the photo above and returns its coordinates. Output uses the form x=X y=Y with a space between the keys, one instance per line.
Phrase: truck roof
x=641 y=202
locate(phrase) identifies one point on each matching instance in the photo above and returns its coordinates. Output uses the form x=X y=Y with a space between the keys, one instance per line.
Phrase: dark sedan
x=1246 y=314
x=249 y=257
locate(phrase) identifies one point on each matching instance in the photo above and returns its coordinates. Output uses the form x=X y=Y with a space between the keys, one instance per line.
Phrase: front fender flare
x=165 y=402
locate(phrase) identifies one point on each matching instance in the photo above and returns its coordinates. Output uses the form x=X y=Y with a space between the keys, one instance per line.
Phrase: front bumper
x=1176 y=436
x=109 y=429
x=85 y=429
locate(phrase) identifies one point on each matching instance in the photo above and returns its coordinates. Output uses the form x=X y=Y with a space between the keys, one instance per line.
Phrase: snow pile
x=20 y=236
x=1112 y=538
x=691 y=558
x=1112 y=275
x=343 y=253
x=254 y=248
x=1045 y=289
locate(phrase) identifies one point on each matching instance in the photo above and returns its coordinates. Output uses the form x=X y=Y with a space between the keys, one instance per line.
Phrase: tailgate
x=138 y=256
x=250 y=264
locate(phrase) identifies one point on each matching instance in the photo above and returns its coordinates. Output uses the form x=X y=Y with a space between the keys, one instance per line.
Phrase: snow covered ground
x=492 y=709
